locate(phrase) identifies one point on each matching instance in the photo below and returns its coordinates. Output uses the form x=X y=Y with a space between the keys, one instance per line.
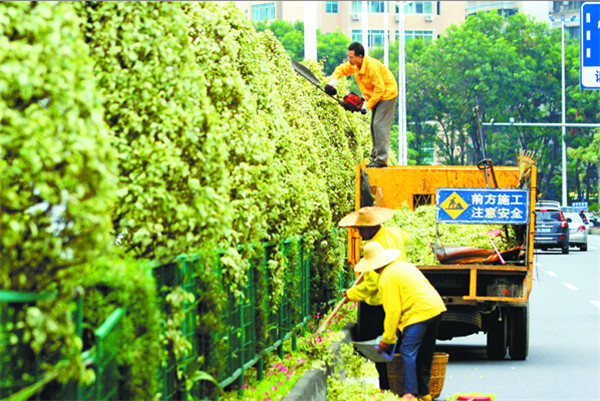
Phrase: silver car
x=577 y=231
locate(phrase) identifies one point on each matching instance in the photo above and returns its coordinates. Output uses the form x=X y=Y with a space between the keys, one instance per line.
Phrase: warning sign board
x=482 y=206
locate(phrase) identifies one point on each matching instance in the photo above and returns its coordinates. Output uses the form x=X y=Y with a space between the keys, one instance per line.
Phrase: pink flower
x=244 y=386
x=280 y=383
x=274 y=388
x=253 y=388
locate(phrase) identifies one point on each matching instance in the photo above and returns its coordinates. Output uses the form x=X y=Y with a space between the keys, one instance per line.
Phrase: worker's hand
x=383 y=347
x=330 y=87
x=364 y=109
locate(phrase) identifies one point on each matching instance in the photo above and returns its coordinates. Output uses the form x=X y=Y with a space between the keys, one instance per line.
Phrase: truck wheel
x=497 y=335
x=583 y=248
x=565 y=249
x=518 y=337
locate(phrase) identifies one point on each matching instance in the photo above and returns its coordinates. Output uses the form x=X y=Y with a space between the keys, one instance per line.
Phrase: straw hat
x=376 y=257
x=368 y=216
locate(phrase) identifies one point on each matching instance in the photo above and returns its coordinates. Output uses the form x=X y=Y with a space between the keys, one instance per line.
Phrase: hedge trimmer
x=350 y=99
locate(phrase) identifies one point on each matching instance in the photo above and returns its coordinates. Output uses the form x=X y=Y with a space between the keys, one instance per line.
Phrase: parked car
x=551 y=228
x=578 y=232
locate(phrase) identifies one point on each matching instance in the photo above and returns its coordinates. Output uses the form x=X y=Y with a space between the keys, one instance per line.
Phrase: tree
x=291 y=35
x=508 y=67
x=331 y=47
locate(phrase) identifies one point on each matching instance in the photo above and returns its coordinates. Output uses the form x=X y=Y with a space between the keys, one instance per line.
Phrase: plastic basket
x=438 y=374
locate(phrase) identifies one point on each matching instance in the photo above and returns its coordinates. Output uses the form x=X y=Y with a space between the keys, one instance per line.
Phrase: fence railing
x=242 y=348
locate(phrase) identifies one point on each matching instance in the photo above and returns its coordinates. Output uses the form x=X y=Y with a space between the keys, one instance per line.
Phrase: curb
x=312 y=386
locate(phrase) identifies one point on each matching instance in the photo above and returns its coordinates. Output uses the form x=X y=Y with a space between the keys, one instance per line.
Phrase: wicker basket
x=438 y=374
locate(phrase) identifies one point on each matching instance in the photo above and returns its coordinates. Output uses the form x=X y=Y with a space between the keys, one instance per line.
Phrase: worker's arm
x=365 y=289
x=392 y=306
x=343 y=70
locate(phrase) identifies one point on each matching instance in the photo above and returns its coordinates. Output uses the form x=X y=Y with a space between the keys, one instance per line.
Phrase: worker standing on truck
x=412 y=306
x=368 y=220
x=380 y=89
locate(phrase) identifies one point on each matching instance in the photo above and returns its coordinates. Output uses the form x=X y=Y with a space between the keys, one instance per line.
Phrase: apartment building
x=423 y=19
x=542 y=11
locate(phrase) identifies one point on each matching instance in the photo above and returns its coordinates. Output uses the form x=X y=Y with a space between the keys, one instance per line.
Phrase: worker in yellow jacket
x=412 y=306
x=368 y=220
x=380 y=89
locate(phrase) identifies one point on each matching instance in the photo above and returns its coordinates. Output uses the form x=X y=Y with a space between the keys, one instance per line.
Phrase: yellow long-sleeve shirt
x=375 y=81
x=408 y=298
x=388 y=237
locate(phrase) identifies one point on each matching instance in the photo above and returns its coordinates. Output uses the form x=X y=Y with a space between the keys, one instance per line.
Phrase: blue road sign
x=482 y=206
x=589 y=45
x=578 y=206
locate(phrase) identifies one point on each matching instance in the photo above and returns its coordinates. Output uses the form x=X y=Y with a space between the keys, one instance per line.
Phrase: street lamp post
x=564 y=114
x=402 y=136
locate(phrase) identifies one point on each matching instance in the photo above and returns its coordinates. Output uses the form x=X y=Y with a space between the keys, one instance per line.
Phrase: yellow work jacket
x=375 y=81
x=388 y=237
x=408 y=298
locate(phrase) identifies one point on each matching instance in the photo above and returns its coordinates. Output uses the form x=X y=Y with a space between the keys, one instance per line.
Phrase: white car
x=577 y=231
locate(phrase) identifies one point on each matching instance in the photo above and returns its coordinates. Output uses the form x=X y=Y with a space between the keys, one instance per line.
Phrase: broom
x=335 y=310
x=526 y=160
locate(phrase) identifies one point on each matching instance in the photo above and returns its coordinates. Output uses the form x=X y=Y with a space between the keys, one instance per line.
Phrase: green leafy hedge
x=185 y=129
x=172 y=176
x=57 y=170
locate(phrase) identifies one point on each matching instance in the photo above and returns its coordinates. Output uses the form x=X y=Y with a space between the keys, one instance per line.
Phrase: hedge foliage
x=172 y=176
x=177 y=128
x=57 y=172
x=57 y=167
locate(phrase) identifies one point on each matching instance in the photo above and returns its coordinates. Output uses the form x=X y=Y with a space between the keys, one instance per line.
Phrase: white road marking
x=596 y=303
x=571 y=286
x=550 y=273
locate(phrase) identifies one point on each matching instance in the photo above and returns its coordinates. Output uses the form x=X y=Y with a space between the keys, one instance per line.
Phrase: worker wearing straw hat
x=368 y=220
x=413 y=306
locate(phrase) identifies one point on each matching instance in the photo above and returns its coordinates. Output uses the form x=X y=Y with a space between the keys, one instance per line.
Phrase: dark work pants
x=369 y=325
x=416 y=350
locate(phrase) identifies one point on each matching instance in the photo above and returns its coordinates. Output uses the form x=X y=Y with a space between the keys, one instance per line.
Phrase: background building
x=426 y=19
x=570 y=9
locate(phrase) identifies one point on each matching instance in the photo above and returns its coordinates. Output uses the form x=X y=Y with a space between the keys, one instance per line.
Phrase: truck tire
x=565 y=249
x=497 y=335
x=518 y=333
x=583 y=247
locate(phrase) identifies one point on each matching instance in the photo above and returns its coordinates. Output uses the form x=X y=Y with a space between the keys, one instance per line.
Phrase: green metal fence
x=20 y=367
x=238 y=315
x=103 y=358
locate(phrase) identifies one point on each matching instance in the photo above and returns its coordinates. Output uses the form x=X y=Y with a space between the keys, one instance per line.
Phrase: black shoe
x=376 y=164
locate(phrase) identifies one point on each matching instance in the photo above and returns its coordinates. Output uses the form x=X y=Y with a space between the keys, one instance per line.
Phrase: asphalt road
x=564 y=342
